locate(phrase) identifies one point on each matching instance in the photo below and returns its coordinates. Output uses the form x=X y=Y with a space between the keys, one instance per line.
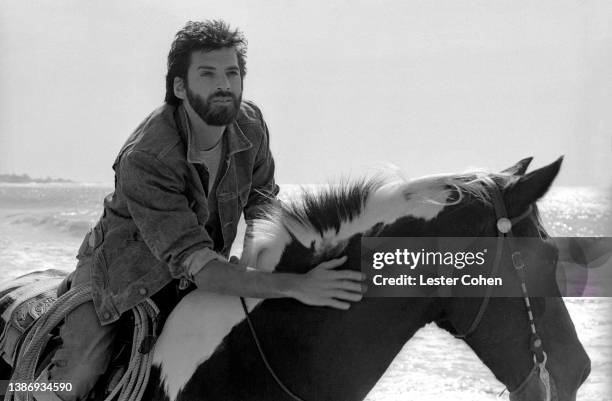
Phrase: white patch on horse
x=194 y=329
x=265 y=247
x=422 y=198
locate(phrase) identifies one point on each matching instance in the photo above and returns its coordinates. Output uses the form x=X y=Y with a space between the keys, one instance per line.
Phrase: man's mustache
x=222 y=94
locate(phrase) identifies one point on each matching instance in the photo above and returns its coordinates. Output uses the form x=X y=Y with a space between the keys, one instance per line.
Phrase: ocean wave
x=102 y=184
x=72 y=223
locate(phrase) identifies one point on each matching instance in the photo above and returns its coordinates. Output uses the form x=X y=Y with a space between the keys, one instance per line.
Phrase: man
x=182 y=180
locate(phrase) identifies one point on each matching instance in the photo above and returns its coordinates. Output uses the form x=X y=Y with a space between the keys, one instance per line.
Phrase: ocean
x=42 y=226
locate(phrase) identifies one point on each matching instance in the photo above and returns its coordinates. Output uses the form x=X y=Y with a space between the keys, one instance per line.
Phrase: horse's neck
x=323 y=353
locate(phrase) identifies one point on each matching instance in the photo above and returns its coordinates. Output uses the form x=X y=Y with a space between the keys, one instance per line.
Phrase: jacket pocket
x=131 y=260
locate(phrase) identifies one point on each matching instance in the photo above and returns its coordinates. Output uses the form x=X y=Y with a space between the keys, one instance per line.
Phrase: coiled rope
x=134 y=381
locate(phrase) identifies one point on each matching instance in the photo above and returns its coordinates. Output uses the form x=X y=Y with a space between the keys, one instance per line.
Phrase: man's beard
x=215 y=114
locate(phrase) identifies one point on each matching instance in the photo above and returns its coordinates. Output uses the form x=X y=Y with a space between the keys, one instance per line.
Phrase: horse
x=215 y=347
x=210 y=349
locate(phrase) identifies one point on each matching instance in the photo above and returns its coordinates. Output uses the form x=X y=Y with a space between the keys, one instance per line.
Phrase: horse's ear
x=519 y=168
x=531 y=187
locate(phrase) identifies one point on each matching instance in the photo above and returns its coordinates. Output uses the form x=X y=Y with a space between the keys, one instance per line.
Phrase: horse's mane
x=330 y=208
x=324 y=220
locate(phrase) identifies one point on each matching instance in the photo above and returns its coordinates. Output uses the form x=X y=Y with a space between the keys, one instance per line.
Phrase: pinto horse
x=208 y=350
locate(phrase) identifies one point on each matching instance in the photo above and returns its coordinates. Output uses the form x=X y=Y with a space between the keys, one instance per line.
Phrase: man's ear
x=531 y=187
x=519 y=168
x=179 y=88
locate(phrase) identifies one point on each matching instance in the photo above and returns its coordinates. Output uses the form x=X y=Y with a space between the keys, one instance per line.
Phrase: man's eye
x=206 y=74
x=233 y=73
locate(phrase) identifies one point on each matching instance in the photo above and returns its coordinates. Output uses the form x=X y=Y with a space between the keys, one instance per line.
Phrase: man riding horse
x=182 y=181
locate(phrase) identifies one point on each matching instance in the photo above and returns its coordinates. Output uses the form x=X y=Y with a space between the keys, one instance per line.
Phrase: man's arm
x=322 y=286
x=263 y=186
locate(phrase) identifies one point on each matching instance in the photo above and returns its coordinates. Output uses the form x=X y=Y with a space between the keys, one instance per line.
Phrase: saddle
x=26 y=298
x=22 y=302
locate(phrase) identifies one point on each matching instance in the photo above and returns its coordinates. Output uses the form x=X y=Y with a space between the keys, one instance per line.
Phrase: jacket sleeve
x=156 y=200
x=263 y=188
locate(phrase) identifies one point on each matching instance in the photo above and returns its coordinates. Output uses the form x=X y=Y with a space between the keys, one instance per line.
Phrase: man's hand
x=323 y=286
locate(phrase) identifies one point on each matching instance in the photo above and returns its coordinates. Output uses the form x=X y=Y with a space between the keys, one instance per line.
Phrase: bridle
x=538 y=371
x=504 y=231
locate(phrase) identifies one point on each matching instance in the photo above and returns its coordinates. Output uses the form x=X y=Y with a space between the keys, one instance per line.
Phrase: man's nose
x=223 y=83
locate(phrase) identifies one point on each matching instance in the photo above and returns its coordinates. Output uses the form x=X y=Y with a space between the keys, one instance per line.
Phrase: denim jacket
x=153 y=226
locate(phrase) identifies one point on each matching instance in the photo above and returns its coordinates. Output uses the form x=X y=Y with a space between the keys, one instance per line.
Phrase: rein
x=263 y=355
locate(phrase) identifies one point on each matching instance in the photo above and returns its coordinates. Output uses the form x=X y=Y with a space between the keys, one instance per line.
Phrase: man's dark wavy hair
x=197 y=36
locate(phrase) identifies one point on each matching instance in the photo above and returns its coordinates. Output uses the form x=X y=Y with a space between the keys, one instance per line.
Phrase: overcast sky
x=428 y=86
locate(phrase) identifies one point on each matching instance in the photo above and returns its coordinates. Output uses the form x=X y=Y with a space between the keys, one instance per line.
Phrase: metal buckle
x=517 y=260
x=184 y=284
x=504 y=225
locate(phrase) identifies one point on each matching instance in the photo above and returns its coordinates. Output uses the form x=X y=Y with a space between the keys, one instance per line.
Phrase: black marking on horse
x=332 y=207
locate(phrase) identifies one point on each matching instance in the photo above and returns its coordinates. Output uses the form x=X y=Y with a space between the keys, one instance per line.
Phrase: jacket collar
x=233 y=138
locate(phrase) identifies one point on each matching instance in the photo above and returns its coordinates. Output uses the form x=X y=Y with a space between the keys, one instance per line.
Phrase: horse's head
x=498 y=329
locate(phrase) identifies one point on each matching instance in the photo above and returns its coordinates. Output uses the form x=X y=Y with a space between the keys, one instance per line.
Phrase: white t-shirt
x=212 y=157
